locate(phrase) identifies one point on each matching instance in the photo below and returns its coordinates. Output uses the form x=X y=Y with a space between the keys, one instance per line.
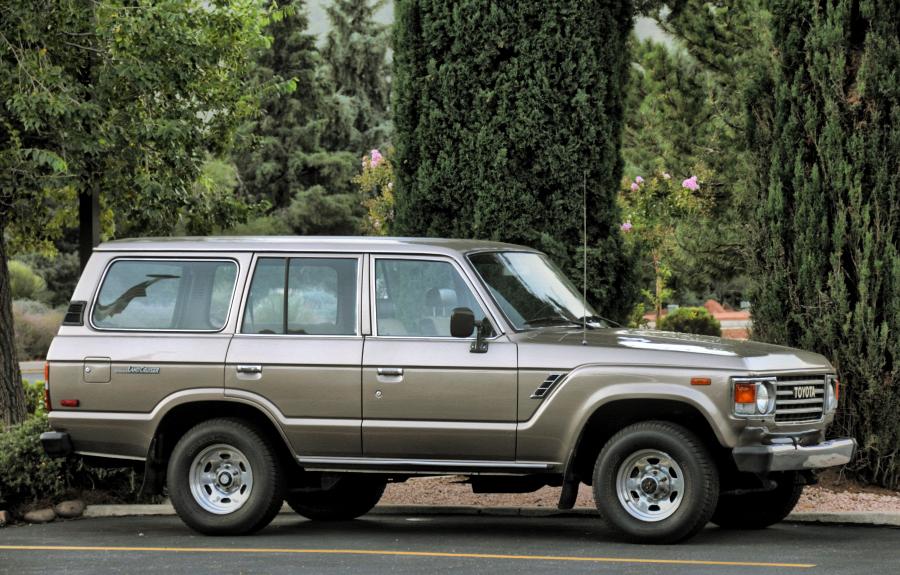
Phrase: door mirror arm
x=480 y=345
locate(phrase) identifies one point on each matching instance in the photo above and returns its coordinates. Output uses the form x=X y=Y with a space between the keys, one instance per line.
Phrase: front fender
x=551 y=434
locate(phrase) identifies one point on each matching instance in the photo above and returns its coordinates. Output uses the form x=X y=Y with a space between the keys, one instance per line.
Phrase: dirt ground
x=832 y=494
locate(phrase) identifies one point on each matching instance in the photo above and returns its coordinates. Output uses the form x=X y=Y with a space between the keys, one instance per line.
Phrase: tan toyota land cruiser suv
x=244 y=372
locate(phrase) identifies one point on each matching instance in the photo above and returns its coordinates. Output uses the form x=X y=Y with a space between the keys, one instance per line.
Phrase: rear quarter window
x=167 y=295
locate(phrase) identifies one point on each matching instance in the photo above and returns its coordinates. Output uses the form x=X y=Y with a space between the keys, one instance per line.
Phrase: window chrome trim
x=373 y=258
x=165 y=259
x=487 y=289
x=239 y=326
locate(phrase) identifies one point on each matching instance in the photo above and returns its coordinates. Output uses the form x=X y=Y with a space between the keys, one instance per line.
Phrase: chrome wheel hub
x=221 y=479
x=650 y=485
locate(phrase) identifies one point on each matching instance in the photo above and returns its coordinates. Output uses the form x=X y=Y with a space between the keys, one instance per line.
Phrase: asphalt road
x=438 y=544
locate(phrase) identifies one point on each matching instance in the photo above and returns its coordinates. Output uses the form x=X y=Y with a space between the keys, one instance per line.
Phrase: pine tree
x=826 y=134
x=356 y=53
x=290 y=162
x=502 y=110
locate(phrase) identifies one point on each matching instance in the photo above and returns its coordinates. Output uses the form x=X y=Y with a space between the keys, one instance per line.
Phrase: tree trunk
x=12 y=396
x=659 y=288
x=88 y=224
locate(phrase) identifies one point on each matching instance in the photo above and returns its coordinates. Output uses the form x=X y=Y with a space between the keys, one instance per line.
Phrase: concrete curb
x=837 y=517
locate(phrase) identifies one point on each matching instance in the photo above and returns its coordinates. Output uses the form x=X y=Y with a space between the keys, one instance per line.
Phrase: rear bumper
x=789 y=457
x=56 y=443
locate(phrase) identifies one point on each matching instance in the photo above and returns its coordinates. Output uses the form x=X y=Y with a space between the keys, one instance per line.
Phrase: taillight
x=47 y=406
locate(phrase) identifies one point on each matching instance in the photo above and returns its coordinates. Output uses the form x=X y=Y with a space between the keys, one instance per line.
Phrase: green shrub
x=35 y=326
x=27 y=474
x=34 y=396
x=690 y=320
x=24 y=283
x=60 y=272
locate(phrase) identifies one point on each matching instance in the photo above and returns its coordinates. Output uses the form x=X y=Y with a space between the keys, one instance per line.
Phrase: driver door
x=425 y=395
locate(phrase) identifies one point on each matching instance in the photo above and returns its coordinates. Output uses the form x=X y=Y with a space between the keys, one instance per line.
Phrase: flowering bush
x=376 y=186
x=653 y=209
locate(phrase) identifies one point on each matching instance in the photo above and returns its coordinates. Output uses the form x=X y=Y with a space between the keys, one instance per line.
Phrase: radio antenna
x=584 y=258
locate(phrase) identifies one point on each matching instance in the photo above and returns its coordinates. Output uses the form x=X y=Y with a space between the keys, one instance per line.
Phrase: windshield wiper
x=552 y=320
x=598 y=319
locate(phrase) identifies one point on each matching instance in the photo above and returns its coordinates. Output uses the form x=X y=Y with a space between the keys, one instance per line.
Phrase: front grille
x=799 y=398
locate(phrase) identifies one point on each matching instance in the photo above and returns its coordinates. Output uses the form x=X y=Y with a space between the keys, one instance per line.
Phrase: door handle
x=249 y=369
x=390 y=371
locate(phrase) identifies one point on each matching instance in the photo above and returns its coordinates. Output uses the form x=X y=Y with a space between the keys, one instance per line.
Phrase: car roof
x=305 y=243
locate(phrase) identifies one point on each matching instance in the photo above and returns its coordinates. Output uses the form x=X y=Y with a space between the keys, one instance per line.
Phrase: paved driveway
x=32 y=370
x=438 y=544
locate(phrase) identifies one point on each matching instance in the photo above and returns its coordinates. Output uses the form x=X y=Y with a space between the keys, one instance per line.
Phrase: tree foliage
x=685 y=112
x=356 y=53
x=124 y=99
x=826 y=135
x=291 y=160
x=502 y=111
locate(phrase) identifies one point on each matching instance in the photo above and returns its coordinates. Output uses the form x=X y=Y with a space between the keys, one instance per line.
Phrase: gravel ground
x=830 y=495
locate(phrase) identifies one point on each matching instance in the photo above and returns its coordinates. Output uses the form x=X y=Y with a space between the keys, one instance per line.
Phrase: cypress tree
x=827 y=137
x=501 y=110
x=356 y=53
x=291 y=163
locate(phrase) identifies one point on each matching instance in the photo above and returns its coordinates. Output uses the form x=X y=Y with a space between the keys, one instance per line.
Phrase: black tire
x=758 y=510
x=699 y=479
x=350 y=497
x=265 y=493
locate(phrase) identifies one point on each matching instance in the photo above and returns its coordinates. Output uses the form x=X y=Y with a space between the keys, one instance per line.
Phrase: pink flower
x=376 y=158
x=634 y=186
x=667 y=175
x=639 y=180
x=691 y=184
x=626 y=227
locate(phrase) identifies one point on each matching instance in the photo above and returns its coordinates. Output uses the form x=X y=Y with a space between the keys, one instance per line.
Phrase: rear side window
x=302 y=296
x=165 y=295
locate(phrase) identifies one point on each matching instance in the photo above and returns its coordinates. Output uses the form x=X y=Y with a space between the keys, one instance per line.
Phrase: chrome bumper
x=788 y=457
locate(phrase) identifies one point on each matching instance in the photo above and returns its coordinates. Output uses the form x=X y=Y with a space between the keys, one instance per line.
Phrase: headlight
x=762 y=398
x=831 y=393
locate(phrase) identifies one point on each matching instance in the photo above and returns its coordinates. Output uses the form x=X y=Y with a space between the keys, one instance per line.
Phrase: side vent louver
x=545 y=388
x=75 y=313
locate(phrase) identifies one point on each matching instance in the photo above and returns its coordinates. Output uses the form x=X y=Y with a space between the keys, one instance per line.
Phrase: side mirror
x=462 y=322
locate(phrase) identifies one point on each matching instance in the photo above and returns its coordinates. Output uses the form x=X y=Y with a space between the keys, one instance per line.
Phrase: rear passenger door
x=298 y=348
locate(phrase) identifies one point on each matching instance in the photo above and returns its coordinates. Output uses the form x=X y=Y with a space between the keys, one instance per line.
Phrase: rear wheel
x=225 y=478
x=759 y=509
x=654 y=482
x=343 y=498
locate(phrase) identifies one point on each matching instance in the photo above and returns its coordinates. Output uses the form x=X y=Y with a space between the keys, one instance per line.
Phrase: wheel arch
x=183 y=416
x=609 y=418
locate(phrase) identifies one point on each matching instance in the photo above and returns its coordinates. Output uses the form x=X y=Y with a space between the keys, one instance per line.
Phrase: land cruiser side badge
x=138 y=370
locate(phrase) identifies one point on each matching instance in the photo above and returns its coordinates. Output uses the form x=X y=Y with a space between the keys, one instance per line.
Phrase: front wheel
x=345 y=498
x=225 y=478
x=655 y=482
x=759 y=509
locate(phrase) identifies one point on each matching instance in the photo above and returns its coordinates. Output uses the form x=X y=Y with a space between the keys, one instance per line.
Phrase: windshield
x=530 y=290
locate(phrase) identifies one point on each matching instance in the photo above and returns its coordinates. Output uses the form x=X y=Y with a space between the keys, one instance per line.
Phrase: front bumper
x=56 y=443
x=790 y=456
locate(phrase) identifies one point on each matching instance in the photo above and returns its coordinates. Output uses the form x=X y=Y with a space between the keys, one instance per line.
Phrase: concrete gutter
x=837 y=517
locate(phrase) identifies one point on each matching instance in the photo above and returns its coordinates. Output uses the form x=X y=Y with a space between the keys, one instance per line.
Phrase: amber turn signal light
x=701 y=381
x=745 y=393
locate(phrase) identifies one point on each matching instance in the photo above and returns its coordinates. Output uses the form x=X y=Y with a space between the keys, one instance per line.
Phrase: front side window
x=416 y=297
x=530 y=290
x=165 y=295
x=302 y=296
